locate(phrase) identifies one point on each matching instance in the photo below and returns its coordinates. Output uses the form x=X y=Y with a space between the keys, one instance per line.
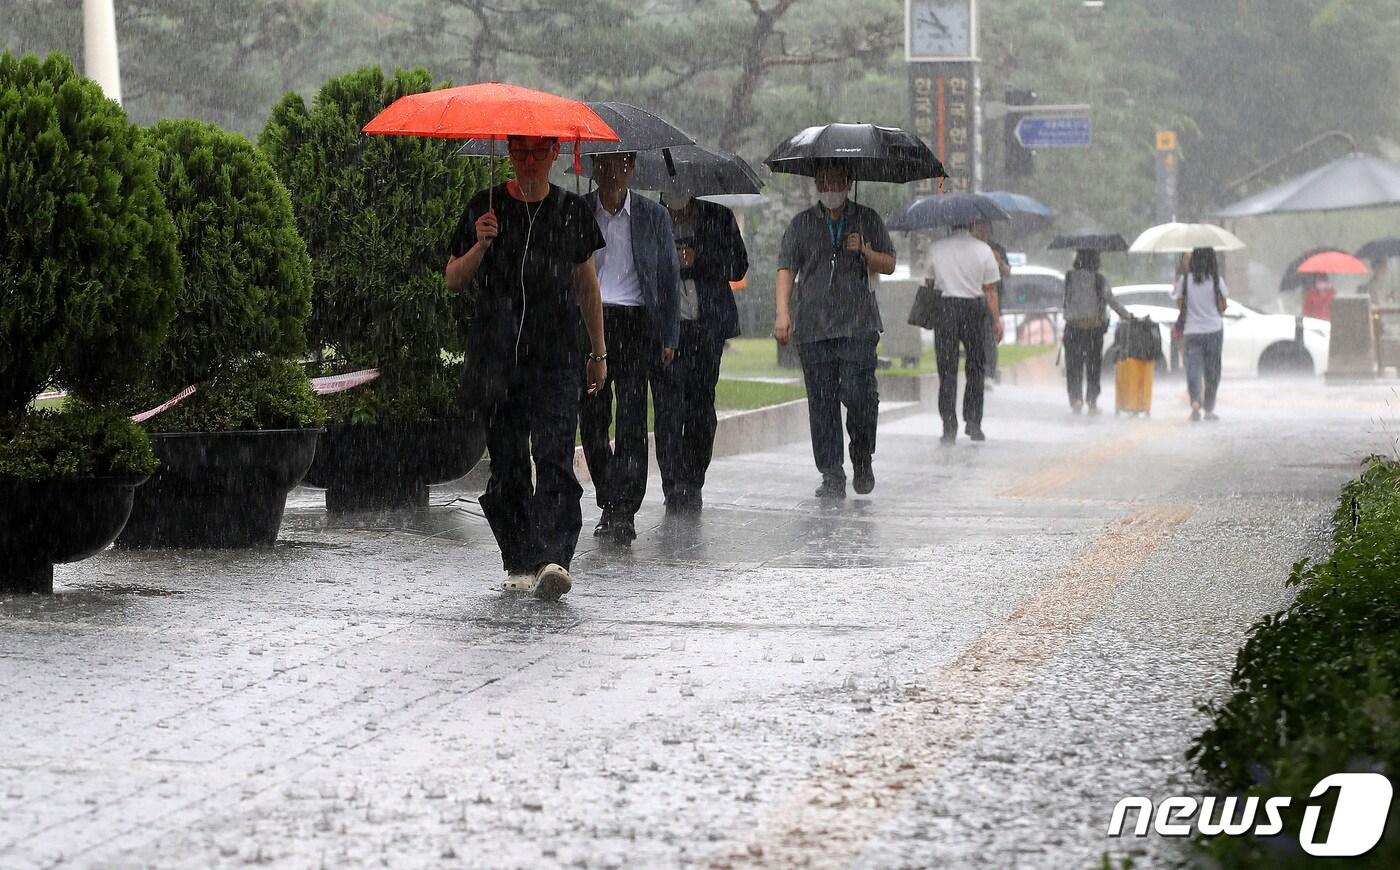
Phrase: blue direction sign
x=1054 y=131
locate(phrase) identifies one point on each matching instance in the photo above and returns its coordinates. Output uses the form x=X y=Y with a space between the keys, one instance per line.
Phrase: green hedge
x=1316 y=688
x=247 y=283
x=79 y=441
x=88 y=265
x=376 y=213
x=254 y=393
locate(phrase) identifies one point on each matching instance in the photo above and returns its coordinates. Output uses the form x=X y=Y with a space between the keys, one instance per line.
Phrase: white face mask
x=832 y=199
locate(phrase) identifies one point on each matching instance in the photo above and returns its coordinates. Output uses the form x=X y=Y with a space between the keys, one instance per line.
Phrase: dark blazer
x=658 y=270
x=720 y=257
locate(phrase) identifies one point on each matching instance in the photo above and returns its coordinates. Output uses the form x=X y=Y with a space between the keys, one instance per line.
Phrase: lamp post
x=100 y=47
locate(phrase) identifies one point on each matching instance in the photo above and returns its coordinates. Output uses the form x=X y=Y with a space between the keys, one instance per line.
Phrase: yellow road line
x=827 y=819
x=1045 y=484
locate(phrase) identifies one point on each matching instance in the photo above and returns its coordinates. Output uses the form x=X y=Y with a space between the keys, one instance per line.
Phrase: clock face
x=940 y=29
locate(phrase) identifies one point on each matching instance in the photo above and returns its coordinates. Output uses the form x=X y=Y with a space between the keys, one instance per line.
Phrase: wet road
x=966 y=669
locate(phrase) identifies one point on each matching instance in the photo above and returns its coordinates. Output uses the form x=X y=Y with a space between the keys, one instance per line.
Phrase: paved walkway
x=966 y=669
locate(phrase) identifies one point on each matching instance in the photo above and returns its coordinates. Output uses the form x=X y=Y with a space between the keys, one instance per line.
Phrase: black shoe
x=864 y=480
x=832 y=487
x=605 y=525
x=976 y=433
x=950 y=435
x=624 y=532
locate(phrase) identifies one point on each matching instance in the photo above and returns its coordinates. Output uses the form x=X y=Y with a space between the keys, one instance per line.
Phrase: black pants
x=619 y=469
x=684 y=399
x=535 y=524
x=960 y=323
x=1084 y=362
x=989 y=340
x=841 y=371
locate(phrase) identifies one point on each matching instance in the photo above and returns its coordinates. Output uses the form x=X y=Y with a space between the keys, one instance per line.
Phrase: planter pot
x=388 y=466
x=218 y=490
x=54 y=521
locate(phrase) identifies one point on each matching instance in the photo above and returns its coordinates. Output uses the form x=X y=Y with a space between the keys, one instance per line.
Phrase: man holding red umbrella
x=529 y=246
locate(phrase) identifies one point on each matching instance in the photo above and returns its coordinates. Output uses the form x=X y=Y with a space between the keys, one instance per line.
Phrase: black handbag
x=924 y=311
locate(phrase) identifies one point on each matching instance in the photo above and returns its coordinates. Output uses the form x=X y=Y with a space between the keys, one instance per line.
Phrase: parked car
x=1032 y=305
x=1255 y=343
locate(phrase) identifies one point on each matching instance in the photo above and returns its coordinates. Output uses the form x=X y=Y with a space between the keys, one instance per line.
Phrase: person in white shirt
x=966 y=272
x=1201 y=294
x=639 y=273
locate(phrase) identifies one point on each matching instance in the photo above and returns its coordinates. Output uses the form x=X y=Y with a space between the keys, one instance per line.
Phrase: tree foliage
x=87 y=248
x=247 y=286
x=376 y=213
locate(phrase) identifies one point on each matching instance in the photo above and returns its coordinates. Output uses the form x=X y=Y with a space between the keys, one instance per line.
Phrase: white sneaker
x=552 y=582
x=519 y=581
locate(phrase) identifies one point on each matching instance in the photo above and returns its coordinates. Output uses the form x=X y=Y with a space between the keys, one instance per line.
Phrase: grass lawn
x=758 y=358
x=53 y=404
x=747 y=395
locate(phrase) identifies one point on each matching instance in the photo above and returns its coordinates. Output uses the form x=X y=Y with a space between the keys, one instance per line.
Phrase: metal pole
x=100 y=47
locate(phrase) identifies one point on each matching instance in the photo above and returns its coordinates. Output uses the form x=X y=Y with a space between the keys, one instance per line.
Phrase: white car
x=1032 y=301
x=1255 y=343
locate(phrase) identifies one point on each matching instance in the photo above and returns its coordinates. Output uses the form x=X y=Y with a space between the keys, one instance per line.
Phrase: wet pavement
x=968 y=668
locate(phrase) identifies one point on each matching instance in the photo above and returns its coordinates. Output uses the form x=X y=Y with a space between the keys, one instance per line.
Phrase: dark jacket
x=720 y=257
x=658 y=270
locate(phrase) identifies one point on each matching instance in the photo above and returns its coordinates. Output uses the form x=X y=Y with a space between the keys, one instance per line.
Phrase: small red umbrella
x=491 y=110
x=1333 y=263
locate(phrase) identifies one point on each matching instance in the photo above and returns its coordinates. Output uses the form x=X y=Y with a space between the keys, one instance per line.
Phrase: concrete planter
x=387 y=466
x=219 y=490
x=43 y=523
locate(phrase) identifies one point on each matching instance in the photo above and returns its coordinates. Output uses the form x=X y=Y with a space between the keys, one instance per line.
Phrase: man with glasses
x=826 y=304
x=638 y=272
x=526 y=248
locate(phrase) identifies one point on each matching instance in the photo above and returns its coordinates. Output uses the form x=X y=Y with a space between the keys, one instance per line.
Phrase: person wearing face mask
x=639 y=274
x=711 y=254
x=826 y=304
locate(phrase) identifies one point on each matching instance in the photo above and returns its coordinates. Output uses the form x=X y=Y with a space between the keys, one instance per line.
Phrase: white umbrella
x=1177 y=238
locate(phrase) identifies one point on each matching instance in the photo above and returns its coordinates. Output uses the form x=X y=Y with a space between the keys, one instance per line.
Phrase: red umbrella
x=491 y=110
x=1333 y=263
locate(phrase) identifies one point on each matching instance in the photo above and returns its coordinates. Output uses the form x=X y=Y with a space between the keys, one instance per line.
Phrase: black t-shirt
x=525 y=286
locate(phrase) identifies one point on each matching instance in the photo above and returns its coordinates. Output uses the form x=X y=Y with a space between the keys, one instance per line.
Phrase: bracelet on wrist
x=593 y=357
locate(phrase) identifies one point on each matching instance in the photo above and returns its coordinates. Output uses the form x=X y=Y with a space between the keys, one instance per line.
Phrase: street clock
x=937 y=30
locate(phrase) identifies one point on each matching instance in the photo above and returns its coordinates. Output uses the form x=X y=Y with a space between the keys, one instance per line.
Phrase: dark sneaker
x=832 y=487
x=864 y=479
x=950 y=435
x=1094 y=409
x=552 y=582
x=624 y=532
x=1195 y=415
x=976 y=433
x=1211 y=417
x=684 y=504
x=605 y=525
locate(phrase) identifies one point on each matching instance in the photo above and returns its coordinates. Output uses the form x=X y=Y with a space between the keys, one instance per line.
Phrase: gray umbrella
x=638 y=129
x=696 y=169
x=946 y=210
x=1356 y=181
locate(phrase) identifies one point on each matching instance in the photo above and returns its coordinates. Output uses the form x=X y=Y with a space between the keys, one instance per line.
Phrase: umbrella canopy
x=946 y=210
x=637 y=130
x=1333 y=263
x=696 y=170
x=490 y=111
x=1019 y=203
x=1177 y=238
x=1102 y=242
x=1355 y=181
x=873 y=153
x=1380 y=249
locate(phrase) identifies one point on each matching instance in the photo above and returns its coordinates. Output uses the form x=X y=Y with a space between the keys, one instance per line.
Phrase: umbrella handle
x=670 y=162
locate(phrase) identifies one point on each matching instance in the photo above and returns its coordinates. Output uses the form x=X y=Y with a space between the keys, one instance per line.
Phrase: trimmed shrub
x=88 y=266
x=376 y=213
x=79 y=441
x=1316 y=688
x=254 y=393
x=247 y=283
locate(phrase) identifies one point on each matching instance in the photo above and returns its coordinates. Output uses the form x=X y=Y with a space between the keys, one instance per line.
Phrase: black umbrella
x=638 y=129
x=873 y=153
x=946 y=210
x=1103 y=242
x=696 y=170
x=1380 y=249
